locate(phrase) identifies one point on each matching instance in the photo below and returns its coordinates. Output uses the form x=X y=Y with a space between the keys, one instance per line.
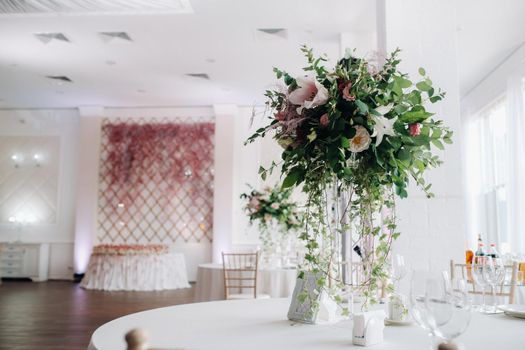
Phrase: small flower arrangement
x=272 y=204
x=130 y=249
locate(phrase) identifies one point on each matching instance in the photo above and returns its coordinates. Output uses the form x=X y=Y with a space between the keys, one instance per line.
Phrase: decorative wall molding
x=29 y=179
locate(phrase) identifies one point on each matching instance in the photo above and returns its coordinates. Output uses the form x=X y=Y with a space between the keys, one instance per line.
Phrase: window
x=494 y=173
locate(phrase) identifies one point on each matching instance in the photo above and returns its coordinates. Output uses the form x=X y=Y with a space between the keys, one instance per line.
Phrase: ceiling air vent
x=59 y=79
x=272 y=32
x=199 y=75
x=94 y=7
x=47 y=37
x=110 y=36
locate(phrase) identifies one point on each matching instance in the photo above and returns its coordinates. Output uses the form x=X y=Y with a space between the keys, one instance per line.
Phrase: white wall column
x=432 y=230
x=225 y=177
x=87 y=184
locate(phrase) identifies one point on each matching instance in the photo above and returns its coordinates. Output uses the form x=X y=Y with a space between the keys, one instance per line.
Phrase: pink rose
x=275 y=206
x=415 y=129
x=324 y=120
x=279 y=116
x=346 y=92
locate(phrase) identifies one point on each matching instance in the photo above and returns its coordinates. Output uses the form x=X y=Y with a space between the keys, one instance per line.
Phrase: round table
x=262 y=324
x=275 y=282
x=141 y=272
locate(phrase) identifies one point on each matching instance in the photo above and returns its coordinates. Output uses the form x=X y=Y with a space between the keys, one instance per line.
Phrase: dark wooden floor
x=60 y=315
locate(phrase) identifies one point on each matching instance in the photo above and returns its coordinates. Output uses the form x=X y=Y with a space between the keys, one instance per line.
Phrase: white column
x=432 y=230
x=87 y=185
x=225 y=176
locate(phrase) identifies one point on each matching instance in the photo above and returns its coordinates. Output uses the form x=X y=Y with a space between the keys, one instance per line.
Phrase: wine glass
x=425 y=287
x=478 y=266
x=458 y=298
x=494 y=273
x=439 y=305
x=398 y=268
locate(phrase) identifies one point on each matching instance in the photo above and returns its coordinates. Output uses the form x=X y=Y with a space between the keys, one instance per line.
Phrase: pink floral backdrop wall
x=156 y=181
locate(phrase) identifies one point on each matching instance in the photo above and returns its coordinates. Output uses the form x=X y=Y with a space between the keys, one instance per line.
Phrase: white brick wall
x=433 y=230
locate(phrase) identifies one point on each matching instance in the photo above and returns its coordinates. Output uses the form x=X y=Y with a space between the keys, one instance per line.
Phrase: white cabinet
x=30 y=260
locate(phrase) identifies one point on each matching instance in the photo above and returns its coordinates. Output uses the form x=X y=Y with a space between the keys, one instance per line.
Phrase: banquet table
x=275 y=282
x=141 y=272
x=262 y=324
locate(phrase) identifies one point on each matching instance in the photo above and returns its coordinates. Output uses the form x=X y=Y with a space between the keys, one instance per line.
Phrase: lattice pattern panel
x=29 y=179
x=156 y=181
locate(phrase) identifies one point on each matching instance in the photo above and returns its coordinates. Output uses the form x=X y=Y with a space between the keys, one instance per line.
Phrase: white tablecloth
x=136 y=272
x=261 y=324
x=277 y=283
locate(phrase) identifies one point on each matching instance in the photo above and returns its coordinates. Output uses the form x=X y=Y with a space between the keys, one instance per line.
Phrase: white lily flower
x=384 y=109
x=383 y=127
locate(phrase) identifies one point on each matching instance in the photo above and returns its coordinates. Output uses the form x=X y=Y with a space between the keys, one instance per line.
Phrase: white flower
x=267 y=217
x=384 y=109
x=309 y=94
x=361 y=140
x=383 y=126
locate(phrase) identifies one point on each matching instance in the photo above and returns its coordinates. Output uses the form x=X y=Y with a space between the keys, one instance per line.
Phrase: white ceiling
x=219 y=39
x=488 y=32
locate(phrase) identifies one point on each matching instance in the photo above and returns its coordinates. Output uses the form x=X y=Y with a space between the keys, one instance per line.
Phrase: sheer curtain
x=486 y=174
x=516 y=165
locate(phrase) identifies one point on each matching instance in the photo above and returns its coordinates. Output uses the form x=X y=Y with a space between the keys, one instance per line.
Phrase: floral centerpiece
x=275 y=214
x=353 y=136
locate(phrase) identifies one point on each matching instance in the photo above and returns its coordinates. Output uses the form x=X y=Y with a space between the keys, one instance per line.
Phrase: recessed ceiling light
x=141 y=91
x=111 y=36
x=59 y=92
x=48 y=37
x=210 y=60
x=199 y=75
x=110 y=62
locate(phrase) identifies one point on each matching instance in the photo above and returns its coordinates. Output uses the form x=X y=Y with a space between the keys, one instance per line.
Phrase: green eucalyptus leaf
x=415 y=116
x=423 y=86
x=345 y=143
x=438 y=144
x=363 y=108
x=403 y=154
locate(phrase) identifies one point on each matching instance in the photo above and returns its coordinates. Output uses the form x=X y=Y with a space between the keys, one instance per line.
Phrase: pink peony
x=324 y=120
x=309 y=94
x=275 y=206
x=415 y=129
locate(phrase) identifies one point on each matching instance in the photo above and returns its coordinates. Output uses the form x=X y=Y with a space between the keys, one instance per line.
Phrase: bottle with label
x=481 y=250
x=492 y=251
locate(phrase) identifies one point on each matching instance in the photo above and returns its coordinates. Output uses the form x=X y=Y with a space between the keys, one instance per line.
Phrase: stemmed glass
x=398 y=268
x=478 y=266
x=494 y=274
x=425 y=285
x=458 y=298
x=439 y=305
